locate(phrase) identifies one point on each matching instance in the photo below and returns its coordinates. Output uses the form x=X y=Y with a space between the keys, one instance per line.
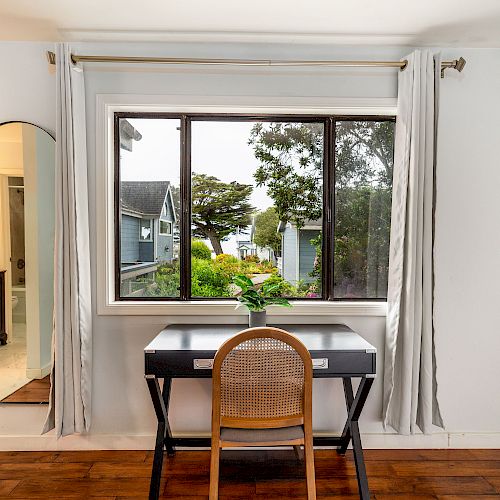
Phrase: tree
x=219 y=208
x=290 y=156
x=266 y=230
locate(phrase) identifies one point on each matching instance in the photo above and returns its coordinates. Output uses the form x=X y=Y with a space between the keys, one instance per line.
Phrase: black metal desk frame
x=157 y=366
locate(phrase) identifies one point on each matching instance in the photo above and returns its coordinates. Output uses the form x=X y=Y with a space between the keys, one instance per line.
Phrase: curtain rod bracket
x=457 y=64
x=51 y=57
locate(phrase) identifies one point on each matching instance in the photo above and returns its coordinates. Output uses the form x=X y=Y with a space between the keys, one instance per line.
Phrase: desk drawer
x=198 y=364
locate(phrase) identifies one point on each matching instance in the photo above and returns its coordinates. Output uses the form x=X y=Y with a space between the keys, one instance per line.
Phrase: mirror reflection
x=27 y=161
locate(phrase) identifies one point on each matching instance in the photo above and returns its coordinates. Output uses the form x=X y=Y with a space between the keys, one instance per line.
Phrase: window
x=301 y=202
x=145 y=230
x=165 y=228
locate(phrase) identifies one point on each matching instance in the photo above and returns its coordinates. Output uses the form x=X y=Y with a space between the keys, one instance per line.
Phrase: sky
x=217 y=148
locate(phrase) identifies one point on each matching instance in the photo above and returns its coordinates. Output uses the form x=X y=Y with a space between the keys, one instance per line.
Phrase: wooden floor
x=393 y=474
x=36 y=391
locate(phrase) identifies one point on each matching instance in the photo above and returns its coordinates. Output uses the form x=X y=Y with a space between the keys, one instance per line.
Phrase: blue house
x=297 y=253
x=147 y=230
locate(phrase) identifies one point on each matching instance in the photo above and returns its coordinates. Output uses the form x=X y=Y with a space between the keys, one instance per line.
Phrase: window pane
x=145 y=229
x=363 y=189
x=256 y=206
x=149 y=200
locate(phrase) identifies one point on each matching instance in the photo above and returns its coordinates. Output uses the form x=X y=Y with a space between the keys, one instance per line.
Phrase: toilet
x=15 y=301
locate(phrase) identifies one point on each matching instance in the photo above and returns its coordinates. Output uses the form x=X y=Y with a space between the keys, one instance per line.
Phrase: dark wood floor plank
x=20 y=470
x=468 y=497
x=453 y=485
x=485 y=454
x=448 y=468
x=80 y=488
x=409 y=496
x=495 y=482
x=418 y=455
x=28 y=456
x=198 y=486
x=7 y=485
x=111 y=470
x=102 y=456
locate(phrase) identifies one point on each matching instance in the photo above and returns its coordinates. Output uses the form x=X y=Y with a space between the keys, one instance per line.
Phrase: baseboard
x=38 y=372
x=146 y=441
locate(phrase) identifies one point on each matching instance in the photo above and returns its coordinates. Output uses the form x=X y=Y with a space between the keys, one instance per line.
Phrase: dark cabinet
x=3 y=319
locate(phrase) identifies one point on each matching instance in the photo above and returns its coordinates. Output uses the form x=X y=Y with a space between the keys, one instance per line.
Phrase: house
x=246 y=246
x=146 y=229
x=297 y=252
x=244 y=241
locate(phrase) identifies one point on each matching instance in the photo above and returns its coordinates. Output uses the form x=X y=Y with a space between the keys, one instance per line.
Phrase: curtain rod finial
x=460 y=64
x=51 y=57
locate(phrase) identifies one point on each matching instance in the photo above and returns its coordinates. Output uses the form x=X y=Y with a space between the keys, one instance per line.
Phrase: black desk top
x=178 y=349
x=210 y=337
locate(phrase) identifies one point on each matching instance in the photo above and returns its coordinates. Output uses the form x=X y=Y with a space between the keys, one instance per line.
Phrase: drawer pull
x=203 y=364
x=320 y=363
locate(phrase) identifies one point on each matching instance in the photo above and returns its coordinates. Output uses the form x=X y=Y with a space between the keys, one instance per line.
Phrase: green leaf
x=254 y=298
x=244 y=282
x=268 y=289
x=253 y=304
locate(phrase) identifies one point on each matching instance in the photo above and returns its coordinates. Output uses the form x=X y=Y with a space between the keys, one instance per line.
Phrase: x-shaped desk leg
x=351 y=430
x=163 y=435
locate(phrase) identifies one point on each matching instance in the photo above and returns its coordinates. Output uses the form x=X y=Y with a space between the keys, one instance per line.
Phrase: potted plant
x=257 y=298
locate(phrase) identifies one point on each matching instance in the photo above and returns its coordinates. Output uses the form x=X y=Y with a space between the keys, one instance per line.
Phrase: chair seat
x=261 y=435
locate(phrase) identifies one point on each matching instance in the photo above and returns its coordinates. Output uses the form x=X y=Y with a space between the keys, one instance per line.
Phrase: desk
x=187 y=351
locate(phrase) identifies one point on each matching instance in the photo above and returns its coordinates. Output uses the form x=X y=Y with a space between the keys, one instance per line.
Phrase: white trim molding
x=108 y=104
x=39 y=373
x=48 y=442
x=260 y=37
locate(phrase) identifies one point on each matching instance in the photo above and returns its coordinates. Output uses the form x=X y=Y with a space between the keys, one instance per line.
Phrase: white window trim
x=107 y=104
x=159 y=227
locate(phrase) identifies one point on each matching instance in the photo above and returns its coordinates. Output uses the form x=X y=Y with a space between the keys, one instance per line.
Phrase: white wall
x=467 y=244
x=27 y=90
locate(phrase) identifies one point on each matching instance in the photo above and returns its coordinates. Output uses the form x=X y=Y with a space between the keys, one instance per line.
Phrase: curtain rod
x=457 y=64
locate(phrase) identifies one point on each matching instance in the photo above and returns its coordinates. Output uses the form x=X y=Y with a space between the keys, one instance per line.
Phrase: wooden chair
x=262 y=396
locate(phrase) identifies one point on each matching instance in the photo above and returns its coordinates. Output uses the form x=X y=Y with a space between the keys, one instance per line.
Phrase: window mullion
x=185 y=215
x=328 y=209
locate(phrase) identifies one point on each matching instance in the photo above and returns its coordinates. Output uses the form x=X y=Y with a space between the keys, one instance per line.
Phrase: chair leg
x=296 y=450
x=310 y=477
x=214 y=470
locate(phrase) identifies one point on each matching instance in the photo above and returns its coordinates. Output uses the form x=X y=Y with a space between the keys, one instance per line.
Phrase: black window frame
x=328 y=241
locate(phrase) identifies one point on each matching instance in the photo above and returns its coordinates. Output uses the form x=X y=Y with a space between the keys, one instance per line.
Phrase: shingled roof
x=144 y=197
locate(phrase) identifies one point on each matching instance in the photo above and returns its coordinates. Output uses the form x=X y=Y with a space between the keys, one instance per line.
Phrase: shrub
x=166 y=283
x=284 y=289
x=252 y=258
x=209 y=279
x=225 y=258
x=200 y=250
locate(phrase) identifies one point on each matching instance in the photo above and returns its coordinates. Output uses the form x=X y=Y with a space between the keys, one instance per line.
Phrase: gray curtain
x=69 y=410
x=410 y=365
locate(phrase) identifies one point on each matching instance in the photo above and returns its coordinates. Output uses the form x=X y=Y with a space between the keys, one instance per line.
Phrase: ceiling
x=396 y=22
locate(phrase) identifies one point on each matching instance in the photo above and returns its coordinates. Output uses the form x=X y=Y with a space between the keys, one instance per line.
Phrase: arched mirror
x=27 y=164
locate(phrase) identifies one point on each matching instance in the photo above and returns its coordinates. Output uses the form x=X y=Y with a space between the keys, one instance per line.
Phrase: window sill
x=228 y=308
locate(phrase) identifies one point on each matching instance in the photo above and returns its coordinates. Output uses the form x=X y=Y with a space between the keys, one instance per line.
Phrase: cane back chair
x=262 y=396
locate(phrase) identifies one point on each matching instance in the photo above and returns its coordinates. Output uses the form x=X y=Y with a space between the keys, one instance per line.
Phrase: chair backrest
x=262 y=377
